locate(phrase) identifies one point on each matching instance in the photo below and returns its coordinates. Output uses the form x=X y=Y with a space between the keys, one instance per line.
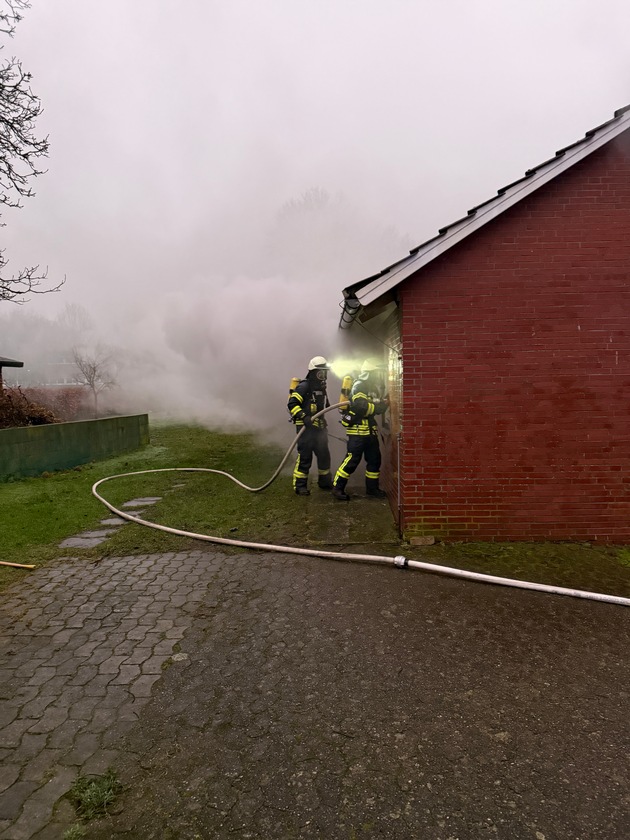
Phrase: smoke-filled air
x=219 y=171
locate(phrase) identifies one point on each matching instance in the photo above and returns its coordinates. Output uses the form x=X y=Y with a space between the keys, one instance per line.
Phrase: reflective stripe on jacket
x=304 y=401
x=362 y=411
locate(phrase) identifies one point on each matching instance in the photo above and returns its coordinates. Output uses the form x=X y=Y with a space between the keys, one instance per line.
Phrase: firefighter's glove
x=307 y=421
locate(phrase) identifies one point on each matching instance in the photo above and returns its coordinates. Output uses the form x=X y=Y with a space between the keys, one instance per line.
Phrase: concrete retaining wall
x=33 y=450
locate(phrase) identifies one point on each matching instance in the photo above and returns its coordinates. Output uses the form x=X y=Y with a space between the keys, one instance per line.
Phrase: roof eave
x=366 y=292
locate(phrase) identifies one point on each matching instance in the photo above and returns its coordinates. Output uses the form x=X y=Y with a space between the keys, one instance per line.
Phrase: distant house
x=510 y=357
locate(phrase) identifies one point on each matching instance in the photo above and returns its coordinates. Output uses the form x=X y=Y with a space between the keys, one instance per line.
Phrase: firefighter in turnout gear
x=309 y=397
x=359 y=419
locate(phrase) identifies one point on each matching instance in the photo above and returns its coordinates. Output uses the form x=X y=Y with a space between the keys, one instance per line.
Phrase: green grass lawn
x=37 y=514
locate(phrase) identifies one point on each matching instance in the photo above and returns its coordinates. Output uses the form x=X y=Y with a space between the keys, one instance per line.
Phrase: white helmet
x=318 y=363
x=372 y=364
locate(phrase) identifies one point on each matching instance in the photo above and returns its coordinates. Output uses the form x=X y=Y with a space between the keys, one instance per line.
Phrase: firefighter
x=309 y=397
x=366 y=403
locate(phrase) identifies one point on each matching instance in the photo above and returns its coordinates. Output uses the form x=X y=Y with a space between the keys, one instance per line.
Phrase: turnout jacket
x=364 y=407
x=307 y=400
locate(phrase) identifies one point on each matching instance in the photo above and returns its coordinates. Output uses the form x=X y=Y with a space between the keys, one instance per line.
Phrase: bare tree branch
x=20 y=151
x=11 y=16
x=94 y=371
x=27 y=281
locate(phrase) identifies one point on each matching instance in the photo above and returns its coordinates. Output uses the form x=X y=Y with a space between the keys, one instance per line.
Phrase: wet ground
x=327 y=700
x=263 y=695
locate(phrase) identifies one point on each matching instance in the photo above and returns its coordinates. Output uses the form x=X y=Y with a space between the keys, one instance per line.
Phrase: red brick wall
x=516 y=360
x=390 y=423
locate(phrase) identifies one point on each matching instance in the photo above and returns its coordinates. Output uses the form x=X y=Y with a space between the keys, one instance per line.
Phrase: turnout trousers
x=360 y=446
x=314 y=441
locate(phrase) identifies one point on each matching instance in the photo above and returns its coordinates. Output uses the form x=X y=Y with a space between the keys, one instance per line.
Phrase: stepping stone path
x=90 y=539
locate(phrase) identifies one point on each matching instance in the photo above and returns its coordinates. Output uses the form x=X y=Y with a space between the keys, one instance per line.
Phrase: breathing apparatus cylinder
x=346 y=387
x=292 y=386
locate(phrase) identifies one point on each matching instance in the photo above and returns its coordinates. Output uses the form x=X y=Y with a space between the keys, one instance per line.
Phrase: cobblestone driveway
x=311 y=699
x=82 y=645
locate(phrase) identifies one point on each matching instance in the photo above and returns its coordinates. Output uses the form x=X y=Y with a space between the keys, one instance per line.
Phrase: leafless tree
x=20 y=151
x=75 y=320
x=94 y=371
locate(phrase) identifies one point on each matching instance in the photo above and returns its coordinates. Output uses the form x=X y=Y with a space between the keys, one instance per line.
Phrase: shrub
x=67 y=402
x=16 y=409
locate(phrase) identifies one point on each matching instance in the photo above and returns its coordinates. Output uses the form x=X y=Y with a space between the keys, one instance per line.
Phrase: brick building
x=510 y=357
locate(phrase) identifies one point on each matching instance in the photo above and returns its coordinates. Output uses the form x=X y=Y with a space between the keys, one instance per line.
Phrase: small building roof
x=4 y=362
x=366 y=291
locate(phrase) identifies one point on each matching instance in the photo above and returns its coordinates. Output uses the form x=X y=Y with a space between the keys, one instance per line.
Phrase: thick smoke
x=221 y=348
x=219 y=173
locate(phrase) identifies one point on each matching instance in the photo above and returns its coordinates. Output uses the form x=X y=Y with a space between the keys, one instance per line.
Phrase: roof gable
x=367 y=291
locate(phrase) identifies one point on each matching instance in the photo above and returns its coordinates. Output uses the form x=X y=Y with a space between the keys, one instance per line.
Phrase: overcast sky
x=178 y=130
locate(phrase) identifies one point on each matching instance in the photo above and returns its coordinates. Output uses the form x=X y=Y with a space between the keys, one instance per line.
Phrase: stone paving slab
x=87 y=539
x=82 y=645
x=148 y=500
x=84 y=541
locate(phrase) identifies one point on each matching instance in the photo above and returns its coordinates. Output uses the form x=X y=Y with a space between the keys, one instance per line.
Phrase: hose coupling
x=401 y=561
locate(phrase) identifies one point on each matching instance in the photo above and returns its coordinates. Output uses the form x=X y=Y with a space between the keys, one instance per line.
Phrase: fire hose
x=398 y=561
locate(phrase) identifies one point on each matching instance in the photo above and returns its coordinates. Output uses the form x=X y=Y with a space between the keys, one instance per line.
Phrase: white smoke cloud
x=220 y=171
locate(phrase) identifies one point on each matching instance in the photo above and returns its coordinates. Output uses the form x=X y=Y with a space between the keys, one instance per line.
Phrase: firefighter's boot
x=324 y=482
x=339 y=491
x=372 y=489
